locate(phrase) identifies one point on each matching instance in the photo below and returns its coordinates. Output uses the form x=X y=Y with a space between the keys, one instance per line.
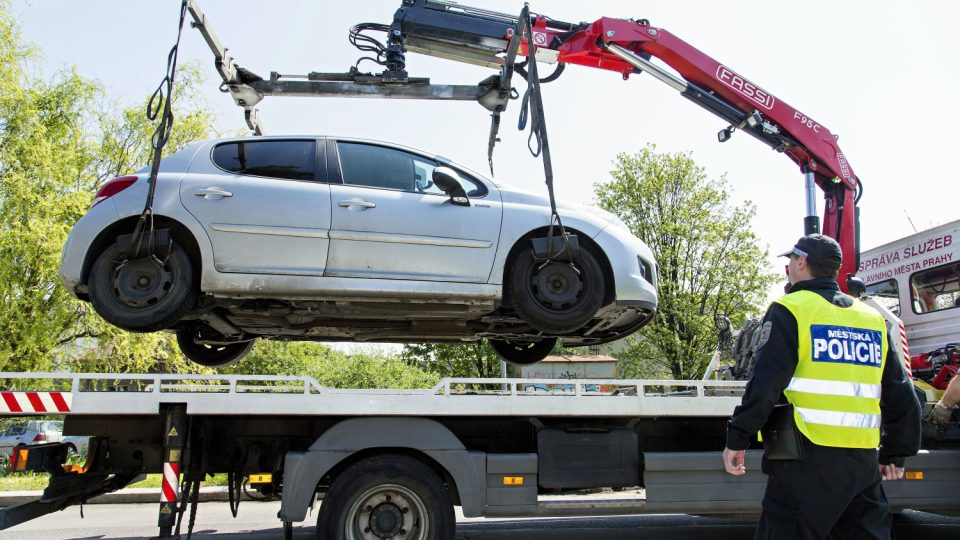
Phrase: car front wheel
x=522 y=352
x=554 y=296
x=145 y=294
x=194 y=338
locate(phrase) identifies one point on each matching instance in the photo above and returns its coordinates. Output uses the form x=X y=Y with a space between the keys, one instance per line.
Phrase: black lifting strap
x=192 y=478
x=532 y=109
x=162 y=98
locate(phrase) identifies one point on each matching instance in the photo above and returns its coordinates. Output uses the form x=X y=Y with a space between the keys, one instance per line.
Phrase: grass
x=37 y=481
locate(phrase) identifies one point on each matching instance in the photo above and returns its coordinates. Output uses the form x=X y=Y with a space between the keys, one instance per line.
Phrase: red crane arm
x=807 y=142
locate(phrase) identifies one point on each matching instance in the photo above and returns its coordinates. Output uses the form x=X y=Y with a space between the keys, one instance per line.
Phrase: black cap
x=819 y=250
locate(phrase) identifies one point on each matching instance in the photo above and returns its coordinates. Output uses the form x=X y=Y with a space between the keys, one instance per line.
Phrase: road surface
x=257 y=520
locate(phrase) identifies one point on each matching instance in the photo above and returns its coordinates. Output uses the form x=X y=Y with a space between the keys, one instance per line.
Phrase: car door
x=263 y=204
x=390 y=221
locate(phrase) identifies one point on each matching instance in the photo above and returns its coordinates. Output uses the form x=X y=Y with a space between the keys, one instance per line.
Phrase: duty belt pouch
x=781 y=438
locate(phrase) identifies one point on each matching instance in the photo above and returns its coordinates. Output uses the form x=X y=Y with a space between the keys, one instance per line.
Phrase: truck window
x=935 y=289
x=887 y=294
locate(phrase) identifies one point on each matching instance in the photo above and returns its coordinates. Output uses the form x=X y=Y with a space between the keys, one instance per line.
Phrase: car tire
x=214 y=356
x=387 y=496
x=556 y=297
x=522 y=353
x=142 y=295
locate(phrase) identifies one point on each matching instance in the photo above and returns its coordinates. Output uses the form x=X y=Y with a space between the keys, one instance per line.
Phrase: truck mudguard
x=304 y=470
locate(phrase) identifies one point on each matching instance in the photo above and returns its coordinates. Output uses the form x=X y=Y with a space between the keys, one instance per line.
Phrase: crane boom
x=449 y=30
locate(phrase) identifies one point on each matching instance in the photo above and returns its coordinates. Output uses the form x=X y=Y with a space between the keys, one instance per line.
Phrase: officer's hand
x=891 y=472
x=940 y=415
x=733 y=461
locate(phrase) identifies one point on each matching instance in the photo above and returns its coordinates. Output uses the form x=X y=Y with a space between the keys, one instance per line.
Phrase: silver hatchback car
x=337 y=239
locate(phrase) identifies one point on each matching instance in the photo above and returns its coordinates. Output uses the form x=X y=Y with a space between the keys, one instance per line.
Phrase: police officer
x=830 y=357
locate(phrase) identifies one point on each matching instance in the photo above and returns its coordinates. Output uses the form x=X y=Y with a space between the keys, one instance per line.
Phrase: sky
x=880 y=74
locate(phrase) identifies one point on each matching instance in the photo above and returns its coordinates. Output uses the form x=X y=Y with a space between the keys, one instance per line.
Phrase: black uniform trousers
x=832 y=493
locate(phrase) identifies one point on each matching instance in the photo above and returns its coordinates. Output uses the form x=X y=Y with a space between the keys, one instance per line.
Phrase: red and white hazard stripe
x=906 y=351
x=169 y=492
x=35 y=402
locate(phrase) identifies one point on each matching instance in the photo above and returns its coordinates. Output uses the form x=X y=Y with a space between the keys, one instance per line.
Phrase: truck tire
x=387 y=496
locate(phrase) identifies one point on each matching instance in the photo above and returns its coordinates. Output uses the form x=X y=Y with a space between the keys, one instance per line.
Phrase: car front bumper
x=631 y=281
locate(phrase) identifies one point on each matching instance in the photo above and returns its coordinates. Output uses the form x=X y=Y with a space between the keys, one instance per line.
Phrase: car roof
x=389 y=144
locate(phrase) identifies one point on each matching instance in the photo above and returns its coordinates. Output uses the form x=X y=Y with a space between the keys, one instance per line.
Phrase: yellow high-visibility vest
x=835 y=390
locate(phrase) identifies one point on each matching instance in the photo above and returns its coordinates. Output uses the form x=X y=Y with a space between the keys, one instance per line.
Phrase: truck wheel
x=522 y=352
x=145 y=294
x=556 y=297
x=190 y=339
x=387 y=496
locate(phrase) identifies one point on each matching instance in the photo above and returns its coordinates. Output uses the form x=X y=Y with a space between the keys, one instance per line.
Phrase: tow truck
x=394 y=463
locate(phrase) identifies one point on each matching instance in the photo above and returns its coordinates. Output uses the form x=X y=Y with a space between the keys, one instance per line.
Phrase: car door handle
x=364 y=204
x=213 y=193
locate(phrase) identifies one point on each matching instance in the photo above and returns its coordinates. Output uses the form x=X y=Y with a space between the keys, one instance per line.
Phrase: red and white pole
x=174 y=442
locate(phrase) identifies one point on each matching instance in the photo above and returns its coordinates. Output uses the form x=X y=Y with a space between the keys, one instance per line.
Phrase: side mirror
x=448 y=180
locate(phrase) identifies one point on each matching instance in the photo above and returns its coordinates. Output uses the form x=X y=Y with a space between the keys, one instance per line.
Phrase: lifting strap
x=161 y=99
x=532 y=110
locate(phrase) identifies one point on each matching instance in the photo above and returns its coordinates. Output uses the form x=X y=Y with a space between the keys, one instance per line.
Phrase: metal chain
x=161 y=99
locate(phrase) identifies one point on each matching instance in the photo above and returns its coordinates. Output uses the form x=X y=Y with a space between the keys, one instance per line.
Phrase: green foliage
x=59 y=140
x=374 y=370
x=43 y=183
x=475 y=359
x=710 y=260
x=125 y=136
x=283 y=358
x=331 y=367
x=35 y=481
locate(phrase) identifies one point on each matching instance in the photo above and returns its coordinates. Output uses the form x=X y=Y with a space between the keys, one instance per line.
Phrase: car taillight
x=111 y=188
x=41 y=437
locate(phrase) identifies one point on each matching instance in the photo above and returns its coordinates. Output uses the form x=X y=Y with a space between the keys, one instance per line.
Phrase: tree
x=331 y=367
x=475 y=359
x=43 y=158
x=58 y=143
x=710 y=260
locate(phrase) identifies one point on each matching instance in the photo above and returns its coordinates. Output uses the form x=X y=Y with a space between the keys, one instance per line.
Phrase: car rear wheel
x=193 y=340
x=522 y=352
x=145 y=294
x=553 y=296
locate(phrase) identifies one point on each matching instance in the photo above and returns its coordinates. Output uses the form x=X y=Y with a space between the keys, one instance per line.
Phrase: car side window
x=389 y=168
x=295 y=160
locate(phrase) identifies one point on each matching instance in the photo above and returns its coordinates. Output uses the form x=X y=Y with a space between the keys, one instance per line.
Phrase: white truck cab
x=918 y=278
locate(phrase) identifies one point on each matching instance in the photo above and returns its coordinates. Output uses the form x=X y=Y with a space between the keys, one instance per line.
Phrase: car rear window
x=295 y=160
